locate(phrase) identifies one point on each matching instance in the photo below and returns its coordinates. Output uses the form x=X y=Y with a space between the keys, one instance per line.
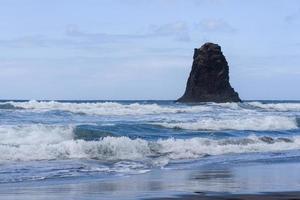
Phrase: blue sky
x=141 y=49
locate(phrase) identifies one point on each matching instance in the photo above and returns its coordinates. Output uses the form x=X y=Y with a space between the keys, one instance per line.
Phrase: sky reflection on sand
x=253 y=178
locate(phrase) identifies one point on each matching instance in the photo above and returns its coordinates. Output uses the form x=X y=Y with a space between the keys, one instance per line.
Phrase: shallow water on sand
x=138 y=149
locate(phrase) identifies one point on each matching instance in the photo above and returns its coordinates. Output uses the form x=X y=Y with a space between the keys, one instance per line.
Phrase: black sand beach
x=261 y=181
x=264 y=196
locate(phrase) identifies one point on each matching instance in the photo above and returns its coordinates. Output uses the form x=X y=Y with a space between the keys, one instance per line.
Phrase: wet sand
x=265 y=196
x=243 y=182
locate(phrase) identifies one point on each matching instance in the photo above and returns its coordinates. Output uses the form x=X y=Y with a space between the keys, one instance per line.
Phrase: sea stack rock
x=209 y=78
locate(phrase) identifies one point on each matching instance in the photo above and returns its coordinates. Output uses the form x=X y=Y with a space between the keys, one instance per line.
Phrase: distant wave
x=277 y=106
x=114 y=108
x=255 y=123
x=43 y=142
x=106 y=108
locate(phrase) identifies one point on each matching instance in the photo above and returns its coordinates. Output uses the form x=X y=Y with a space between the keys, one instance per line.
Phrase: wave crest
x=34 y=134
x=255 y=123
x=108 y=108
x=277 y=106
x=48 y=143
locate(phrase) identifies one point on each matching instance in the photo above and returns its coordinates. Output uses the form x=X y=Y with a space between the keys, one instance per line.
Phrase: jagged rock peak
x=209 y=77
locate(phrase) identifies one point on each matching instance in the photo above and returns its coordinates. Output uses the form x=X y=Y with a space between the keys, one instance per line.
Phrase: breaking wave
x=105 y=108
x=34 y=134
x=114 y=108
x=40 y=142
x=277 y=106
x=255 y=123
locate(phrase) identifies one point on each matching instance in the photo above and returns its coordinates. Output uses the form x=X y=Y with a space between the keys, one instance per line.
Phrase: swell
x=9 y=106
x=89 y=133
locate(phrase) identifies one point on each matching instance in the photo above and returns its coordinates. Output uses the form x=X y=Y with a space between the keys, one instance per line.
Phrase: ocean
x=147 y=149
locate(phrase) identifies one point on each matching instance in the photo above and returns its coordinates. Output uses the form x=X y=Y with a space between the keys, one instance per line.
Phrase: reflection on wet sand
x=161 y=183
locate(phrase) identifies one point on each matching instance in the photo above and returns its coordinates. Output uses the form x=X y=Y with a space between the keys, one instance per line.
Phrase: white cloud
x=167 y=29
x=215 y=25
x=76 y=38
x=179 y=30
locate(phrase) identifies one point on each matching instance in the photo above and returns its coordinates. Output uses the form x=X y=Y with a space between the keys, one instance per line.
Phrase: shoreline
x=243 y=182
x=225 y=196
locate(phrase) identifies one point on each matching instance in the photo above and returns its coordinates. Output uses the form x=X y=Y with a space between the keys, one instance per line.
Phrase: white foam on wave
x=42 y=142
x=197 y=147
x=109 y=108
x=255 y=123
x=229 y=105
x=108 y=148
x=277 y=106
x=34 y=134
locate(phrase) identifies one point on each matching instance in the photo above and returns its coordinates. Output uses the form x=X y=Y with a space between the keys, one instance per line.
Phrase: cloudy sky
x=141 y=49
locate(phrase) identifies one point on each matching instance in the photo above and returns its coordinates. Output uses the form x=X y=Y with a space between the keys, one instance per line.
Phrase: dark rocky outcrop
x=209 y=78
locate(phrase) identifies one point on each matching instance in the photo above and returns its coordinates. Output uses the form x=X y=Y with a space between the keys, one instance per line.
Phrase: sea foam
x=255 y=123
x=277 y=106
x=32 y=143
x=107 y=108
x=34 y=134
x=114 y=108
